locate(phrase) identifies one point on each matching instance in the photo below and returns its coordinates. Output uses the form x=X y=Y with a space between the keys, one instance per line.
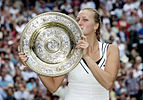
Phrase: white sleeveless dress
x=82 y=84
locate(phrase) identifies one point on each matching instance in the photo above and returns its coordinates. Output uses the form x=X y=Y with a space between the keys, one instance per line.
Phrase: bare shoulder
x=113 y=49
x=113 y=46
x=112 y=63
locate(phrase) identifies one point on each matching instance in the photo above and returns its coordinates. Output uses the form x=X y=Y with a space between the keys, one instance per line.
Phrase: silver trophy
x=49 y=42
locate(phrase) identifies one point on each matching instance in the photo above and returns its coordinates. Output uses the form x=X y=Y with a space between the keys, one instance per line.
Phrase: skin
x=90 y=47
x=107 y=76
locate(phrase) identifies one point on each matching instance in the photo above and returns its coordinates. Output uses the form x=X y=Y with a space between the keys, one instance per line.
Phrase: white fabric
x=19 y=95
x=137 y=73
x=127 y=8
x=28 y=74
x=140 y=13
x=88 y=4
x=83 y=85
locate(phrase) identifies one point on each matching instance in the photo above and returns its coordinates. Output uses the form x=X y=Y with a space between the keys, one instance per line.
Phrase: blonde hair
x=97 y=19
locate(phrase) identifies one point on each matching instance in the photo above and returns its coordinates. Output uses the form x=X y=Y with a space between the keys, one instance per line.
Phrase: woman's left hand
x=83 y=44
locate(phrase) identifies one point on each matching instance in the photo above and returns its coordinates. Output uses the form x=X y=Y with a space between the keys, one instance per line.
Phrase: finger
x=81 y=41
x=23 y=61
x=78 y=46
x=82 y=46
x=20 y=53
x=84 y=38
x=24 y=58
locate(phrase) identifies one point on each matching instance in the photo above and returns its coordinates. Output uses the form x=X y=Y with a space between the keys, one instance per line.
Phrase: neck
x=92 y=40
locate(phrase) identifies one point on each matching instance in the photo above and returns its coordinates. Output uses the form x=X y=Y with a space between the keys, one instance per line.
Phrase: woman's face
x=86 y=21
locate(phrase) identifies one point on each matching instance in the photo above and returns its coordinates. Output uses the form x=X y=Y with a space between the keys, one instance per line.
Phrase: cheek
x=88 y=28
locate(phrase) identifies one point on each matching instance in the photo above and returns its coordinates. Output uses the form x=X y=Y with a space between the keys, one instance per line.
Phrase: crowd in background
x=122 y=24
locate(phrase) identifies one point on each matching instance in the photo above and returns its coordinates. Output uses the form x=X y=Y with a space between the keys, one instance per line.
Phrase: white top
x=82 y=84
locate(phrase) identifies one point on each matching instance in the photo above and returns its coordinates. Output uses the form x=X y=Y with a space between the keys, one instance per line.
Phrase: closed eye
x=85 y=19
x=77 y=19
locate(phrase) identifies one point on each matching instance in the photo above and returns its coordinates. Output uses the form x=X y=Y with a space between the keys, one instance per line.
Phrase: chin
x=85 y=34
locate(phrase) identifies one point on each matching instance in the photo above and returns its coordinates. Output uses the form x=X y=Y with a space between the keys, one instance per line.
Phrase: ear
x=96 y=26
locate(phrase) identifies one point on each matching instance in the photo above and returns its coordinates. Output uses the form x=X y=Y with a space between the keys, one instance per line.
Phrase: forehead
x=85 y=13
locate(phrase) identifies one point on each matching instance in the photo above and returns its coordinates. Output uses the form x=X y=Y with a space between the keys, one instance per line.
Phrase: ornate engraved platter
x=49 y=41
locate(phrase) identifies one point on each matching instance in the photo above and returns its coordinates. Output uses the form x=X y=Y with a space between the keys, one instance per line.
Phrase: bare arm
x=107 y=76
x=140 y=36
x=52 y=83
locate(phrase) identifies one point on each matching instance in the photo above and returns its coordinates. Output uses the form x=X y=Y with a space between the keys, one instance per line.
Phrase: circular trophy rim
x=31 y=56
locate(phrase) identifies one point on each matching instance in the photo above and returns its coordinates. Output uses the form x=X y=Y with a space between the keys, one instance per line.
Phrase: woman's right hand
x=84 y=45
x=23 y=58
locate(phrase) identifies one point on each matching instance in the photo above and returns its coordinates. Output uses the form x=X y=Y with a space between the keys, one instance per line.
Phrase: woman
x=100 y=62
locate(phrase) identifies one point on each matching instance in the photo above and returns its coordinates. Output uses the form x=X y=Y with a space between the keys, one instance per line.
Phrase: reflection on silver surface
x=49 y=41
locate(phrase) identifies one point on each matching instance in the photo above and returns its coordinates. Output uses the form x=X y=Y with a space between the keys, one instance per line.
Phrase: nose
x=80 y=22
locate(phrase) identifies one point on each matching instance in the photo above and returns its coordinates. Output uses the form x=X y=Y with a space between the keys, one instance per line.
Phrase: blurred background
x=122 y=24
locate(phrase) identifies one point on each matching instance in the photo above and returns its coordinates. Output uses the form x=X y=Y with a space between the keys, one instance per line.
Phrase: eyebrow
x=79 y=17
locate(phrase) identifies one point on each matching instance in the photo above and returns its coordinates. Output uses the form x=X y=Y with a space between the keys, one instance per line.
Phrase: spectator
x=31 y=84
x=2 y=94
x=13 y=10
x=132 y=85
x=128 y=7
x=108 y=33
x=5 y=79
x=65 y=7
x=21 y=93
x=141 y=33
x=10 y=92
x=134 y=52
x=140 y=10
x=122 y=25
x=136 y=72
x=9 y=66
x=27 y=73
x=122 y=48
x=138 y=61
x=39 y=95
x=109 y=5
x=88 y=4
